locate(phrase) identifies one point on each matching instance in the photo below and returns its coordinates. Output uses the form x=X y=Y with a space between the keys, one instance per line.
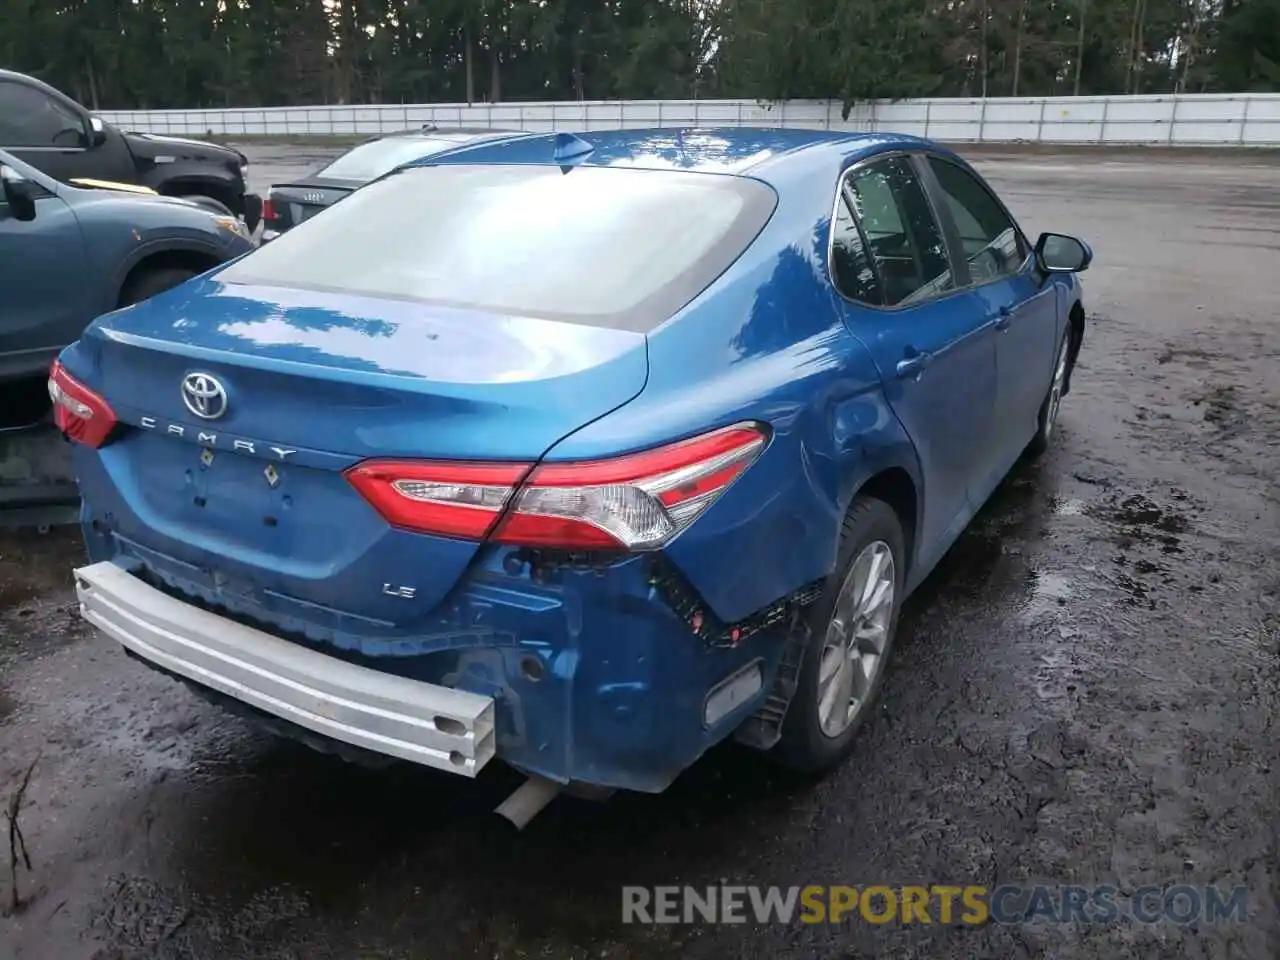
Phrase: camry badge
x=204 y=395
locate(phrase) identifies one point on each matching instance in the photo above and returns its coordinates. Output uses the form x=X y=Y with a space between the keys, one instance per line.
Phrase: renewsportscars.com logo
x=967 y=905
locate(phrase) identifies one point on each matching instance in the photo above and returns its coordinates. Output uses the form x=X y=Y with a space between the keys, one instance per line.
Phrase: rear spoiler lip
x=303 y=185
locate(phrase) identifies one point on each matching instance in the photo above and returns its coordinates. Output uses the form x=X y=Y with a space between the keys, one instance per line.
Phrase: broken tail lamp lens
x=78 y=412
x=637 y=502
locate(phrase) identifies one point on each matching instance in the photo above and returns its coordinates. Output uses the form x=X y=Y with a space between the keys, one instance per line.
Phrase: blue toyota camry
x=578 y=452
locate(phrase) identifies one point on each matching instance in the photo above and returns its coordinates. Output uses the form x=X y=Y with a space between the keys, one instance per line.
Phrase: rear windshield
x=371 y=160
x=612 y=247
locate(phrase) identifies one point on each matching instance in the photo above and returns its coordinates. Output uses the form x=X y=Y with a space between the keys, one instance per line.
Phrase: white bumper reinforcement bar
x=435 y=726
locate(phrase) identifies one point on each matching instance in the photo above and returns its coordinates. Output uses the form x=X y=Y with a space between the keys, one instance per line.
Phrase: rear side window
x=611 y=247
x=905 y=242
x=850 y=265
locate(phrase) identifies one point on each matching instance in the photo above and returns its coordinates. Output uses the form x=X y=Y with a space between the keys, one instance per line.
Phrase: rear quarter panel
x=766 y=342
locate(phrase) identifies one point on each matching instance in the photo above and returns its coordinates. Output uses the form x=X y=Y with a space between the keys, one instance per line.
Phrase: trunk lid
x=296 y=203
x=310 y=384
x=367 y=377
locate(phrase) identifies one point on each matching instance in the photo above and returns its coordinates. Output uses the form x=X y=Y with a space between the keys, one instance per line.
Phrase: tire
x=813 y=738
x=210 y=204
x=1047 y=420
x=150 y=282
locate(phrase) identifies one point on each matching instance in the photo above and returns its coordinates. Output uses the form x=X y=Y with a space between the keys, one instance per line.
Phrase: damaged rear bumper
x=595 y=676
x=451 y=730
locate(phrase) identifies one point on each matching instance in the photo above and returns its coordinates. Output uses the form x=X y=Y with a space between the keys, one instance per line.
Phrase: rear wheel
x=150 y=282
x=851 y=629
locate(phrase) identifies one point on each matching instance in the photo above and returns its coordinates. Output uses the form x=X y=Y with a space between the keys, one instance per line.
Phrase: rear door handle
x=1002 y=317
x=913 y=366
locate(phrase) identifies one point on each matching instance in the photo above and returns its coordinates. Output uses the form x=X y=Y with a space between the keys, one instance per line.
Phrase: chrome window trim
x=16 y=149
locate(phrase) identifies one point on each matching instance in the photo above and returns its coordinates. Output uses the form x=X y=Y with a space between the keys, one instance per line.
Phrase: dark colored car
x=289 y=204
x=583 y=455
x=47 y=129
x=69 y=254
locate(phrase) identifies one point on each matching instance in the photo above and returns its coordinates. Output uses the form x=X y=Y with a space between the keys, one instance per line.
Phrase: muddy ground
x=1085 y=692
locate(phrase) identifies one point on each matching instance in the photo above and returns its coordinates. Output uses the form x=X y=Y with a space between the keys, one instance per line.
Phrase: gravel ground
x=1085 y=692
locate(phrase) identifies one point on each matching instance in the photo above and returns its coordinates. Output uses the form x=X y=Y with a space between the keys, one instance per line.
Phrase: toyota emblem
x=204 y=395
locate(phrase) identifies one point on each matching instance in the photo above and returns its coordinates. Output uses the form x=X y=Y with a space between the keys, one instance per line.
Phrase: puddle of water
x=1049 y=593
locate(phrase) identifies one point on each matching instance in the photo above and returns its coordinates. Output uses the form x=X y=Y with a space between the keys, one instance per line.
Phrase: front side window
x=31 y=118
x=992 y=244
x=905 y=242
x=611 y=247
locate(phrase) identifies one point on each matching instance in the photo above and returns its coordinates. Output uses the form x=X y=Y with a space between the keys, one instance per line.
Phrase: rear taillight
x=637 y=502
x=452 y=499
x=77 y=411
x=269 y=210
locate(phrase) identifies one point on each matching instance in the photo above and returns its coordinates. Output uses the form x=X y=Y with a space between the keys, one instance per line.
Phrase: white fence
x=1190 y=120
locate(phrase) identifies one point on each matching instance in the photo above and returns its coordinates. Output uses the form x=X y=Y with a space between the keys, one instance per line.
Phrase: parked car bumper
x=592 y=677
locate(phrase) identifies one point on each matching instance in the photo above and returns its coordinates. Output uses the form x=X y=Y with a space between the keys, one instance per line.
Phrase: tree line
x=129 y=54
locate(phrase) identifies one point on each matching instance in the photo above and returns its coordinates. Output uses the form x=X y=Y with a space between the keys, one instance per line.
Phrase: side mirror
x=1059 y=253
x=97 y=132
x=18 y=194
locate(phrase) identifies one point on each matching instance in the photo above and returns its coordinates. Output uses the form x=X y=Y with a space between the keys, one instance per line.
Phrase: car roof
x=453 y=134
x=754 y=151
x=30 y=80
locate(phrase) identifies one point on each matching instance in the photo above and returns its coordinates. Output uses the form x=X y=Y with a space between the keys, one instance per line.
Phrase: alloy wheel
x=857 y=639
x=1055 y=391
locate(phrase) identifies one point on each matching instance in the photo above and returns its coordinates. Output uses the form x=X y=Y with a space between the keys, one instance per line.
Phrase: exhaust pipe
x=527 y=801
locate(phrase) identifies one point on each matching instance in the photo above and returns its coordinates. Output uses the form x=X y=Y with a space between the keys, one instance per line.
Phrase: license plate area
x=224 y=500
x=301 y=212
x=310 y=537
x=232 y=488
x=239 y=498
